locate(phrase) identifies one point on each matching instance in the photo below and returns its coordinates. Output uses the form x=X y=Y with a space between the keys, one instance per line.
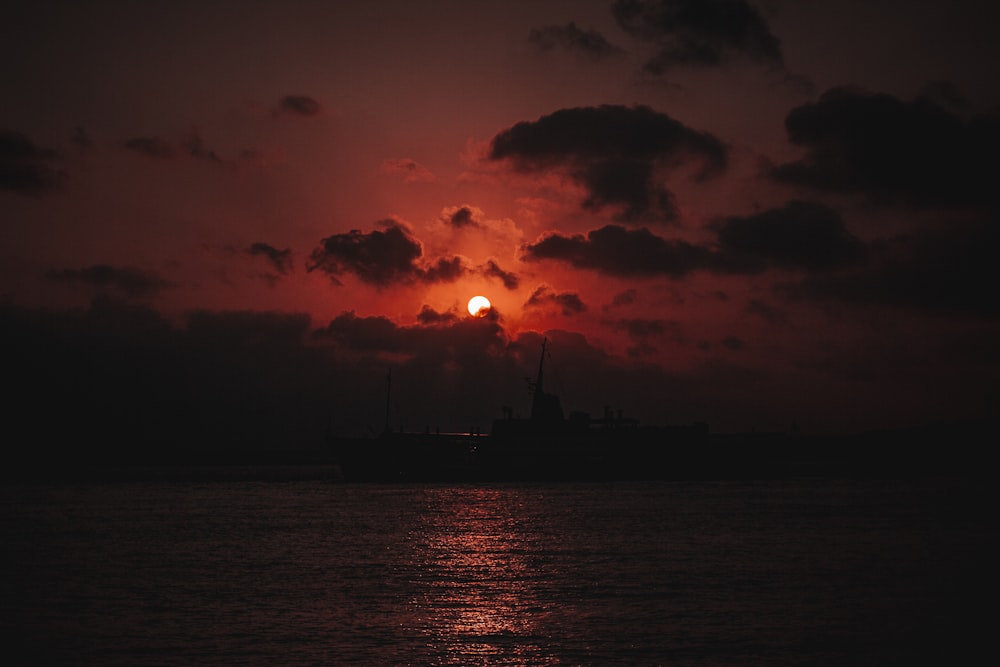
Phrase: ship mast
x=544 y=407
x=541 y=365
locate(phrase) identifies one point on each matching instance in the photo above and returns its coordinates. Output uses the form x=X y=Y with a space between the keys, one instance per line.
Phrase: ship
x=548 y=446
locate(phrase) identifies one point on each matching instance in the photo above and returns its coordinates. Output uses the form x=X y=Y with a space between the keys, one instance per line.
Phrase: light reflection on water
x=475 y=588
x=778 y=573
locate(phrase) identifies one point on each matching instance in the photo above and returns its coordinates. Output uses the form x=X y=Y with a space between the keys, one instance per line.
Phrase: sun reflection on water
x=478 y=590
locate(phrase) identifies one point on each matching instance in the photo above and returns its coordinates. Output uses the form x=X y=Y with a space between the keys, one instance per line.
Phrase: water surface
x=801 y=572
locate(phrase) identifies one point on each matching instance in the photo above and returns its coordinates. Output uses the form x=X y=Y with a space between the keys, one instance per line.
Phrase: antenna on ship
x=544 y=407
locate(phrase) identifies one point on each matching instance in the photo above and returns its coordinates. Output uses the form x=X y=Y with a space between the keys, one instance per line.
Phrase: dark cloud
x=613 y=152
x=615 y=250
x=698 y=32
x=412 y=171
x=191 y=145
x=589 y=43
x=428 y=317
x=382 y=257
x=444 y=270
x=194 y=146
x=944 y=271
x=569 y=303
x=281 y=260
x=625 y=298
x=643 y=328
x=492 y=270
x=300 y=105
x=910 y=152
x=154 y=147
x=799 y=235
x=463 y=217
x=734 y=343
x=629 y=184
x=23 y=166
x=365 y=333
x=126 y=281
x=135 y=387
x=586 y=134
x=765 y=311
x=645 y=333
x=81 y=139
x=945 y=94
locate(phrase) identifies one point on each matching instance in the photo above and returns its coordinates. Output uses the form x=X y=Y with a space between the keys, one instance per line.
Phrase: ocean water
x=799 y=572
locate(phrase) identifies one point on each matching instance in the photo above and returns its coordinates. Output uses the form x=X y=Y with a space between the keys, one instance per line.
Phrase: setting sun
x=479 y=306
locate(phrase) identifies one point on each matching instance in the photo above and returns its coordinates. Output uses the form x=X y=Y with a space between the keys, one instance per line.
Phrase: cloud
x=492 y=270
x=569 y=303
x=152 y=147
x=628 y=183
x=615 y=250
x=158 y=148
x=624 y=298
x=280 y=259
x=641 y=328
x=608 y=131
x=81 y=139
x=644 y=333
x=614 y=153
x=365 y=333
x=299 y=105
x=138 y=388
x=382 y=257
x=698 y=32
x=894 y=151
x=766 y=312
x=430 y=317
x=462 y=216
x=126 y=281
x=412 y=171
x=948 y=270
x=23 y=168
x=194 y=146
x=589 y=43
x=734 y=343
x=798 y=235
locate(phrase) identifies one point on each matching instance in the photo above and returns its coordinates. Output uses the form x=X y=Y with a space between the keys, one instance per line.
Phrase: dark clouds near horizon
x=126 y=281
x=947 y=270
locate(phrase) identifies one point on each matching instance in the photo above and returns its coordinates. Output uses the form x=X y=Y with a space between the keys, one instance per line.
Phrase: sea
x=224 y=570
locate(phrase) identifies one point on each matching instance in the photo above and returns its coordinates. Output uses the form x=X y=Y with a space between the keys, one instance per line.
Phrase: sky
x=222 y=224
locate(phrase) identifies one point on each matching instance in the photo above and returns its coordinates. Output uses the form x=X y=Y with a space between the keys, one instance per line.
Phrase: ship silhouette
x=549 y=446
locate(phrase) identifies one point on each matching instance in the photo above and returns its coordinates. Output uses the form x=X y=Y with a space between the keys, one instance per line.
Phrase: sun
x=479 y=306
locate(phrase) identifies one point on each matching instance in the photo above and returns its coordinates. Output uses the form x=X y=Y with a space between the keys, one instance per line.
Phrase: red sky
x=233 y=218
